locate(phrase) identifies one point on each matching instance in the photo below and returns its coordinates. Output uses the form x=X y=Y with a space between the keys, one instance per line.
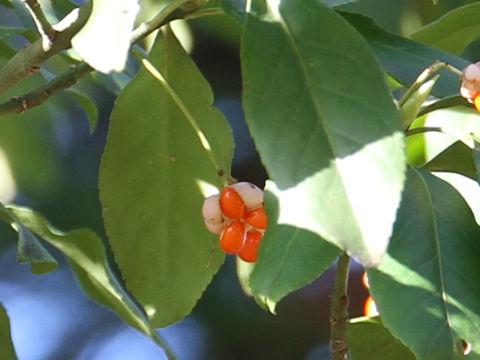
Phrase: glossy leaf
x=458 y=158
x=467 y=187
x=426 y=287
x=446 y=127
x=86 y=255
x=7 y=351
x=454 y=31
x=324 y=124
x=104 y=40
x=88 y=106
x=405 y=59
x=29 y=248
x=154 y=176
x=369 y=339
x=289 y=257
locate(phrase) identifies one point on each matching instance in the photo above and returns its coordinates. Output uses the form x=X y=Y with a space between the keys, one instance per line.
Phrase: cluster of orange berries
x=369 y=307
x=238 y=216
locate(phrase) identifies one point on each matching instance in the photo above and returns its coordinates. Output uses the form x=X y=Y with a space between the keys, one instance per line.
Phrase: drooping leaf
x=324 y=124
x=290 y=257
x=405 y=59
x=426 y=288
x=29 y=248
x=86 y=255
x=7 y=351
x=151 y=180
x=369 y=339
x=104 y=40
x=88 y=106
x=449 y=101
x=454 y=31
x=458 y=158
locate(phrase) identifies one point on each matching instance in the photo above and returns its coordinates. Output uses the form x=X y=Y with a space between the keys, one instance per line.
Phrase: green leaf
x=426 y=288
x=88 y=106
x=7 y=31
x=324 y=124
x=468 y=188
x=29 y=249
x=458 y=158
x=7 y=351
x=152 y=180
x=290 y=257
x=454 y=31
x=449 y=101
x=86 y=255
x=104 y=40
x=369 y=339
x=405 y=59
x=445 y=127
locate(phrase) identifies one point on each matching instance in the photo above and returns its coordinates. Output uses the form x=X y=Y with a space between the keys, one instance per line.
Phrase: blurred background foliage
x=49 y=161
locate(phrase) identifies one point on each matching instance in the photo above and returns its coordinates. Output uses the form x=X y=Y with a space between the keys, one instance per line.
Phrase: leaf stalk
x=339 y=310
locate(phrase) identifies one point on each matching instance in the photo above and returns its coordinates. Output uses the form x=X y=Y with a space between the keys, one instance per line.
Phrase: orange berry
x=233 y=237
x=257 y=218
x=370 y=308
x=232 y=204
x=249 y=252
x=476 y=101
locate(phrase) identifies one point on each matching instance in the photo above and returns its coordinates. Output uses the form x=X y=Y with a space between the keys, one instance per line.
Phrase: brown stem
x=339 y=310
x=29 y=59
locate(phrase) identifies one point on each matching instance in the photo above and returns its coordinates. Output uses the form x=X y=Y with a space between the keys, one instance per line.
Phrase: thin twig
x=65 y=80
x=339 y=310
x=29 y=59
x=425 y=75
x=45 y=29
x=38 y=96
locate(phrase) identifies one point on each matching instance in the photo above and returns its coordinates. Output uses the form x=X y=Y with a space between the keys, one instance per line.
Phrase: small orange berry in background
x=232 y=239
x=257 y=218
x=476 y=101
x=232 y=204
x=370 y=308
x=249 y=252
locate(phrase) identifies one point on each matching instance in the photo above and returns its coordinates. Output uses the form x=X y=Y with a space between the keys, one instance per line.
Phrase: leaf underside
x=151 y=179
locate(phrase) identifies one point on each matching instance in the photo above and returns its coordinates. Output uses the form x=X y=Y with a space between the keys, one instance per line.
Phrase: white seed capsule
x=251 y=194
x=215 y=228
x=211 y=211
x=472 y=73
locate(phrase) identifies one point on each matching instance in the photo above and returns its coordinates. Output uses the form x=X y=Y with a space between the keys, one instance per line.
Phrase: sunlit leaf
x=154 y=176
x=86 y=255
x=368 y=339
x=454 y=31
x=405 y=59
x=104 y=40
x=325 y=125
x=290 y=257
x=29 y=249
x=7 y=351
x=426 y=287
